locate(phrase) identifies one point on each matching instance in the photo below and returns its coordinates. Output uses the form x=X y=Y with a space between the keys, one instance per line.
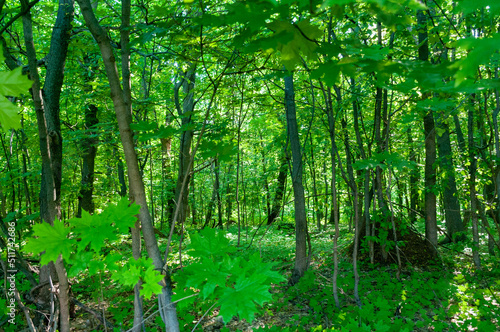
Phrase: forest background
x=371 y=126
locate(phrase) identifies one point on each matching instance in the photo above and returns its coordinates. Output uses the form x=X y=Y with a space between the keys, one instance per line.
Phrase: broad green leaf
x=14 y=83
x=9 y=116
x=242 y=299
x=123 y=215
x=470 y=6
x=128 y=275
x=206 y=277
x=94 y=230
x=292 y=41
x=79 y=262
x=479 y=53
x=150 y=282
x=96 y=266
x=51 y=239
x=255 y=265
x=210 y=243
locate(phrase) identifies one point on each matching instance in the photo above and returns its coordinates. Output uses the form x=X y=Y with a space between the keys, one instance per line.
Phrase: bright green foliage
x=238 y=284
x=82 y=242
x=133 y=271
x=292 y=40
x=51 y=239
x=479 y=53
x=210 y=244
x=14 y=84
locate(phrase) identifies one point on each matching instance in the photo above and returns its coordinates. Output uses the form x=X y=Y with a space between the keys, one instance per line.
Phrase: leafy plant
x=82 y=243
x=236 y=283
x=12 y=83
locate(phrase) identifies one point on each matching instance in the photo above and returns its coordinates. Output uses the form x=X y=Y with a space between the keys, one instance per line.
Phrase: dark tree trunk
x=298 y=188
x=472 y=183
x=49 y=128
x=430 y=145
x=413 y=180
x=185 y=113
x=451 y=204
x=215 y=192
x=121 y=173
x=89 y=149
x=280 y=191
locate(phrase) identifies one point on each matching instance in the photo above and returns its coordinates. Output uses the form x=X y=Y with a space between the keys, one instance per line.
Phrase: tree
x=301 y=260
x=137 y=191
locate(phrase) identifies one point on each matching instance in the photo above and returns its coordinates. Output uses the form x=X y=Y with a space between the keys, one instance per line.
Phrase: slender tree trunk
x=451 y=204
x=210 y=207
x=185 y=111
x=496 y=172
x=127 y=98
x=472 y=183
x=89 y=149
x=166 y=307
x=413 y=180
x=49 y=129
x=430 y=145
x=298 y=188
x=280 y=191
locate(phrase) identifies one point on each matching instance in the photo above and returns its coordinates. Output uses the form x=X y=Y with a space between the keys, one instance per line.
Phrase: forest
x=249 y=165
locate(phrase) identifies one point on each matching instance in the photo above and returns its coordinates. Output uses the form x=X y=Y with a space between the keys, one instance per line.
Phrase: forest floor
x=448 y=295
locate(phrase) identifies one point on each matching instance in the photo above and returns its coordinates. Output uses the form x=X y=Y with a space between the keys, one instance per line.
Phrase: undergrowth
x=219 y=280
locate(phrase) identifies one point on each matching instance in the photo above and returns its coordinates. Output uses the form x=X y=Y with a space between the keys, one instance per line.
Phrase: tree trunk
x=430 y=145
x=298 y=188
x=472 y=183
x=137 y=191
x=280 y=191
x=185 y=113
x=89 y=150
x=451 y=204
x=49 y=129
x=413 y=180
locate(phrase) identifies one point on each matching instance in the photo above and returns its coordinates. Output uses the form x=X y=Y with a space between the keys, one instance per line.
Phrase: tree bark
x=298 y=188
x=451 y=204
x=430 y=145
x=137 y=191
x=185 y=111
x=49 y=128
x=89 y=149
x=472 y=183
x=280 y=191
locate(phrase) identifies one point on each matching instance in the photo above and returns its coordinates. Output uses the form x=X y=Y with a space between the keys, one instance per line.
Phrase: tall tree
x=185 y=113
x=137 y=190
x=89 y=149
x=301 y=262
x=430 y=144
x=47 y=107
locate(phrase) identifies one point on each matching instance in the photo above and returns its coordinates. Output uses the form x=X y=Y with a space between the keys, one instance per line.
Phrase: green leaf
x=257 y=266
x=480 y=52
x=206 y=277
x=14 y=83
x=470 y=6
x=51 y=239
x=123 y=215
x=242 y=299
x=210 y=243
x=93 y=230
x=129 y=274
x=79 y=262
x=9 y=117
x=292 y=40
x=150 y=283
